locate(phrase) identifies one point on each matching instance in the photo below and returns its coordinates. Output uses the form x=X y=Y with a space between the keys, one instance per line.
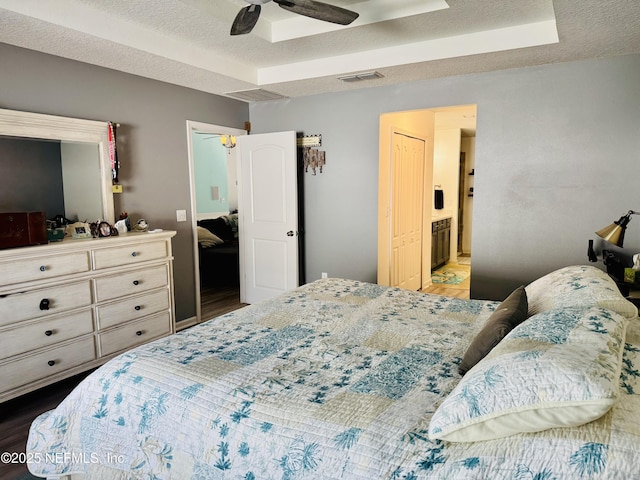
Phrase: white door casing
x=267 y=215
x=192 y=127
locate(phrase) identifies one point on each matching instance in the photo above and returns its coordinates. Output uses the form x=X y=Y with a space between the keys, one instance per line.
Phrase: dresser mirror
x=54 y=164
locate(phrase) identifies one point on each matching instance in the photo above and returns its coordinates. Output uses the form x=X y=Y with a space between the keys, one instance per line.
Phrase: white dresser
x=70 y=306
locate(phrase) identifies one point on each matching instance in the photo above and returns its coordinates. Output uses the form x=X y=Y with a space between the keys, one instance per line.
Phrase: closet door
x=407 y=172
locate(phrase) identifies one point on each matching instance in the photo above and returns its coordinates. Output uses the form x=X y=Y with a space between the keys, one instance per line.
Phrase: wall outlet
x=324 y=274
x=181 y=215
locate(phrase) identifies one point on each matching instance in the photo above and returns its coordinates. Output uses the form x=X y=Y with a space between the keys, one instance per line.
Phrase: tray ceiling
x=187 y=42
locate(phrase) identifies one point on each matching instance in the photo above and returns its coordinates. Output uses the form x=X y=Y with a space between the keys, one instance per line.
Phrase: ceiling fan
x=248 y=16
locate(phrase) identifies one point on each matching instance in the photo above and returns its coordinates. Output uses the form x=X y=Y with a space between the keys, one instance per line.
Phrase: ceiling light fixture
x=228 y=141
x=358 y=77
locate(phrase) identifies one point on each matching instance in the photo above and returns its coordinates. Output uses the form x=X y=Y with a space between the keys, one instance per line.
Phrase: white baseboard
x=186 y=323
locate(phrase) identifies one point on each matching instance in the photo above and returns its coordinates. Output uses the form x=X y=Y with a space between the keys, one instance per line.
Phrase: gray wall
x=152 y=139
x=31 y=177
x=556 y=159
x=556 y=154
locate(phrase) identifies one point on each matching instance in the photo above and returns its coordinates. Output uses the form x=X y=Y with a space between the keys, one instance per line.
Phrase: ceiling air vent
x=255 y=95
x=359 y=77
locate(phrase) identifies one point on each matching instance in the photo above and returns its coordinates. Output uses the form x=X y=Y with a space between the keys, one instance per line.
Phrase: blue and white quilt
x=335 y=380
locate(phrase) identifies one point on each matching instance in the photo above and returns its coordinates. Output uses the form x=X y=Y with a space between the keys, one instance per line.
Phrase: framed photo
x=79 y=230
x=103 y=229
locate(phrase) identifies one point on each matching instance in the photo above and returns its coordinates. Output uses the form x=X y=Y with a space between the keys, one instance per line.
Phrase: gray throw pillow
x=509 y=314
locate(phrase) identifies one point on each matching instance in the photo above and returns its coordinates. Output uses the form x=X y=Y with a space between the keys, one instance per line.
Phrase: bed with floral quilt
x=342 y=379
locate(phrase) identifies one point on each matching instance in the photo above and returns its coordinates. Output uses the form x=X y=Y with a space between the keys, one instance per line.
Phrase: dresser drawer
x=132 y=308
x=134 y=333
x=43 y=364
x=129 y=254
x=44 y=301
x=42 y=268
x=136 y=281
x=45 y=333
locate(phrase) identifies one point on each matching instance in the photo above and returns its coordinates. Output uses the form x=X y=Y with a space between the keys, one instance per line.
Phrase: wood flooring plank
x=216 y=301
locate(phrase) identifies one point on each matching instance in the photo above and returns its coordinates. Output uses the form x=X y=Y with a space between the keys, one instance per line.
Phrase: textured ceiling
x=187 y=42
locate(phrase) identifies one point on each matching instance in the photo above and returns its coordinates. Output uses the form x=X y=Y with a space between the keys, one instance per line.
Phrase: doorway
x=214 y=204
x=449 y=132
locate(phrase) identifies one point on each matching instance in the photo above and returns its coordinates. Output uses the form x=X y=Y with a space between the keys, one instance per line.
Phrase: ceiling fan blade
x=319 y=10
x=246 y=20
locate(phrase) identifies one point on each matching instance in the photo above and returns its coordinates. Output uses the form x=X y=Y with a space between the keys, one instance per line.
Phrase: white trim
x=186 y=323
x=193 y=126
x=497 y=40
x=36 y=125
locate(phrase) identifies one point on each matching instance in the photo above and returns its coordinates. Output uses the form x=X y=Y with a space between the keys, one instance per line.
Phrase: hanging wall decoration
x=113 y=157
x=314 y=159
x=311 y=157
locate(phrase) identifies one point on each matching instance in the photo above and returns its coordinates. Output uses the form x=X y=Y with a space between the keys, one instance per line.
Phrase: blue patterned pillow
x=577 y=286
x=560 y=368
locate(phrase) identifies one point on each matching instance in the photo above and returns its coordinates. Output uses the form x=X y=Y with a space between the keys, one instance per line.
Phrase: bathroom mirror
x=68 y=156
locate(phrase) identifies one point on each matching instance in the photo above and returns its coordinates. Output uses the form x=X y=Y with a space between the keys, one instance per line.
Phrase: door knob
x=290 y=233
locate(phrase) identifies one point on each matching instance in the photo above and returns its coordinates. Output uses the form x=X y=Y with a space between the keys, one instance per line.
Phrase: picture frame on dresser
x=79 y=230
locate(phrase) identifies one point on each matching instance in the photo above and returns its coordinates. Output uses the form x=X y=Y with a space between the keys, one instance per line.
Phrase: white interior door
x=407 y=171
x=268 y=215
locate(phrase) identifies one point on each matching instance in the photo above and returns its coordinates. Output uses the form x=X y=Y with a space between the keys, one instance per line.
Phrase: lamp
x=614 y=233
x=228 y=141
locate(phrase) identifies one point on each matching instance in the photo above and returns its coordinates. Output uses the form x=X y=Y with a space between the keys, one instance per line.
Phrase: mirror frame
x=51 y=127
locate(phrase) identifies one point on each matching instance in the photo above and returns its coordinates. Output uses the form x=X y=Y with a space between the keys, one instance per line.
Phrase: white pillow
x=560 y=368
x=577 y=286
x=208 y=239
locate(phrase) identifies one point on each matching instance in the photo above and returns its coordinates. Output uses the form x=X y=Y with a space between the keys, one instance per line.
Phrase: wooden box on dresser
x=70 y=306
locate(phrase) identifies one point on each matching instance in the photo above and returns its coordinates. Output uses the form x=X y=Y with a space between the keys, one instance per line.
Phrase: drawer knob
x=43 y=268
x=134 y=254
x=137 y=307
x=44 y=304
x=139 y=333
x=136 y=282
x=48 y=333
x=51 y=363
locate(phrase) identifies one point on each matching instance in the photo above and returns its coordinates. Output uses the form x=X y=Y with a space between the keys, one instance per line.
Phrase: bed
x=342 y=379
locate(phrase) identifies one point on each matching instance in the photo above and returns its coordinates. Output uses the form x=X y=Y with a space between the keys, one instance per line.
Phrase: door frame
x=425 y=121
x=193 y=126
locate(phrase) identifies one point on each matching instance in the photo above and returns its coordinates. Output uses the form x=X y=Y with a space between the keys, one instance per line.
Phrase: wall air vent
x=359 y=77
x=255 y=95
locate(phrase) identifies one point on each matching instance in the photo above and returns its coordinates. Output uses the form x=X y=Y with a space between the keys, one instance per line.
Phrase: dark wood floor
x=218 y=300
x=16 y=416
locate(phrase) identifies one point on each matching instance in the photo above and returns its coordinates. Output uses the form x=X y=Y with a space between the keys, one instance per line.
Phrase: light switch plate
x=181 y=215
